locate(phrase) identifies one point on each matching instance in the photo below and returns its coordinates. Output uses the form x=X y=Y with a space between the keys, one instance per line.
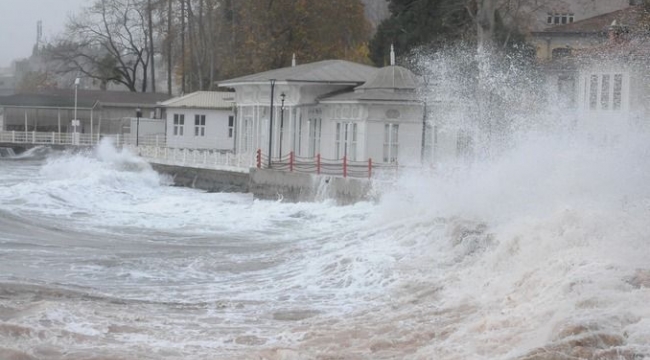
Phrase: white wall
x=216 y=130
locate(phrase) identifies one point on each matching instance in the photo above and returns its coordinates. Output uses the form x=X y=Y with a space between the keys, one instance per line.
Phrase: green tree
x=414 y=24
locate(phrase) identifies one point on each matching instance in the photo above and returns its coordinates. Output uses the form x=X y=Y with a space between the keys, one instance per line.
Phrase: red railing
x=321 y=166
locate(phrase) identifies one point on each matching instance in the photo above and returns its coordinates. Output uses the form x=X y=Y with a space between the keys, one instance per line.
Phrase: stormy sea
x=542 y=253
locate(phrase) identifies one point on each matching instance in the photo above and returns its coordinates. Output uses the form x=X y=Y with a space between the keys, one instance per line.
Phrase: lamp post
x=76 y=87
x=75 y=121
x=138 y=114
x=282 y=96
x=271 y=122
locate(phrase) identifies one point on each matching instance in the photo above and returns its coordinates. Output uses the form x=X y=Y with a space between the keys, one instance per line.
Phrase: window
x=314 y=131
x=231 y=126
x=604 y=91
x=391 y=145
x=618 y=91
x=199 y=125
x=559 y=53
x=314 y=136
x=179 y=122
x=247 y=129
x=559 y=19
x=298 y=146
x=346 y=141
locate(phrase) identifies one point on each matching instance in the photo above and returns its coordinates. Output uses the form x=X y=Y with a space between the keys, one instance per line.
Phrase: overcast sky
x=18 y=24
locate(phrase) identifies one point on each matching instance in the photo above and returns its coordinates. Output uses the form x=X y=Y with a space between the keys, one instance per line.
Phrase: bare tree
x=108 y=43
x=151 y=46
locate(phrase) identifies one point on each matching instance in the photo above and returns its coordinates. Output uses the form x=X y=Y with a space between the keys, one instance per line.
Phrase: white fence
x=78 y=139
x=150 y=147
x=199 y=158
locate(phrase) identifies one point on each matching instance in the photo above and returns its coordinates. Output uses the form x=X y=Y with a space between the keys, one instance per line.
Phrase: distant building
x=607 y=82
x=561 y=40
x=540 y=15
x=201 y=120
x=107 y=112
x=331 y=108
x=7 y=85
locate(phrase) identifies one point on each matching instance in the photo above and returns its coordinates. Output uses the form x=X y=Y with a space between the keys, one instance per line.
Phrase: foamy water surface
x=540 y=254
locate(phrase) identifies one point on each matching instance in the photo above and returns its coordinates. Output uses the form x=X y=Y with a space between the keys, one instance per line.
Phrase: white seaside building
x=201 y=120
x=334 y=108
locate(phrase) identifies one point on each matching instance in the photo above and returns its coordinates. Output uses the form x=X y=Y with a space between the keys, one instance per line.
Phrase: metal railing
x=200 y=158
x=323 y=166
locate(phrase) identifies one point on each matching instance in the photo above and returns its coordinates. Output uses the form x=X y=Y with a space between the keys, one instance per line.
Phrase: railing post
x=205 y=156
x=291 y=161
x=345 y=166
x=259 y=158
x=53 y=137
x=156 y=140
x=318 y=164
x=117 y=141
x=33 y=137
x=13 y=136
x=369 y=168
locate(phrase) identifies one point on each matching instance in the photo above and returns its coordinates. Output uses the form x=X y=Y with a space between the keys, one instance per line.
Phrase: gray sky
x=18 y=24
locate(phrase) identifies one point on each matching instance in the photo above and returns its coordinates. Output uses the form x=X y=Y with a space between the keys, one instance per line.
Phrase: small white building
x=201 y=120
x=334 y=108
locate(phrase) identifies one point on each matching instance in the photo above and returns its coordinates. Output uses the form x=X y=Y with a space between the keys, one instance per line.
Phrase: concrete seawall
x=294 y=187
x=206 y=179
x=271 y=185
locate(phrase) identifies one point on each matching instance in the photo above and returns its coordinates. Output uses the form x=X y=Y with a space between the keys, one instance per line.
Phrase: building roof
x=202 y=100
x=392 y=77
x=373 y=95
x=598 y=24
x=390 y=83
x=65 y=98
x=326 y=71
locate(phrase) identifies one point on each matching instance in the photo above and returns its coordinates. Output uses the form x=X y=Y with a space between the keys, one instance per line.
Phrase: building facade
x=201 y=120
x=331 y=109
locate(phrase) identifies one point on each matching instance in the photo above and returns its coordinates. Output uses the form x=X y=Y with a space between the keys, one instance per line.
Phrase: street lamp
x=282 y=96
x=138 y=114
x=75 y=121
x=271 y=122
x=76 y=87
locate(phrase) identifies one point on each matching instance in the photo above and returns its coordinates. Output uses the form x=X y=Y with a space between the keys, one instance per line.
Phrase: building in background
x=201 y=120
x=105 y=112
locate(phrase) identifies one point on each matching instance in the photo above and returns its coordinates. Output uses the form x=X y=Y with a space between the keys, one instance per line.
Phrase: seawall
x=296 y=187
x=271 y=184
x=205 y=179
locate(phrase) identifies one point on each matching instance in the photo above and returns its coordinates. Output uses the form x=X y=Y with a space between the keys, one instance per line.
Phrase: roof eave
x=292 y=82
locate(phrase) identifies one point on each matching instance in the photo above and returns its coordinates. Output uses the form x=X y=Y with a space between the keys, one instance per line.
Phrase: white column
x=91 y=126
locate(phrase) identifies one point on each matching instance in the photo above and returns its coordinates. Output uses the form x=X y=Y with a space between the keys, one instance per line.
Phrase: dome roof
x=393 y=78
